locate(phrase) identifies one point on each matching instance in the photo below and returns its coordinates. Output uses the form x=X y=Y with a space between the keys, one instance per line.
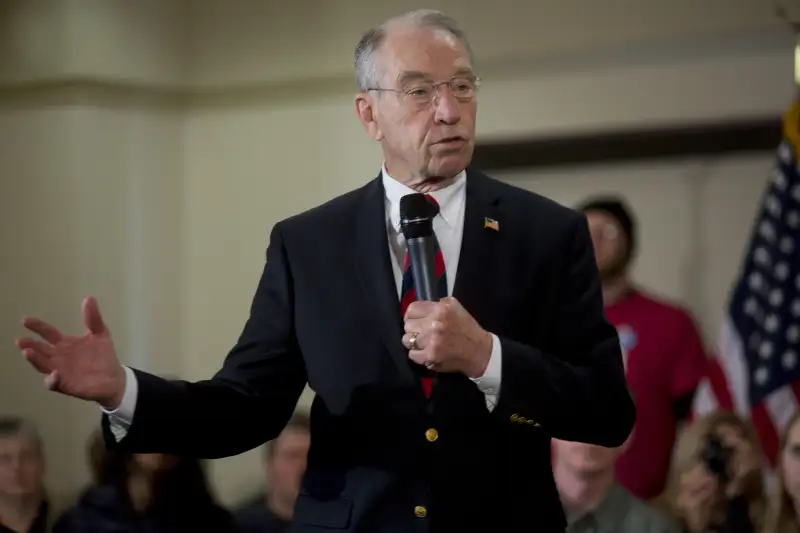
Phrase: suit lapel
x=374 y=269
x=479 y=245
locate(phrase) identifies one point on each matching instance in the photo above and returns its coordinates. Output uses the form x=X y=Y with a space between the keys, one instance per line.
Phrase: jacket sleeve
x=577 y=390
x=247 y=403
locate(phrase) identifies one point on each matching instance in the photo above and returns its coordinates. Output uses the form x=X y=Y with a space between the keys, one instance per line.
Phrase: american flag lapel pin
x=491 y=223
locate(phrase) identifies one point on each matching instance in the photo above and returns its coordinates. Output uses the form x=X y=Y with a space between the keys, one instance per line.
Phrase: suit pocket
x=333 y=514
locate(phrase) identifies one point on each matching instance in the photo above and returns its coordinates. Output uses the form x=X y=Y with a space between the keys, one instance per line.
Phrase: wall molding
x=734 y=136
x=99 y=90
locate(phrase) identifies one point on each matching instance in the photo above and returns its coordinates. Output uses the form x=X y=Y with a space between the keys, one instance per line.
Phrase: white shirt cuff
x=120 y=419
x=489 y=383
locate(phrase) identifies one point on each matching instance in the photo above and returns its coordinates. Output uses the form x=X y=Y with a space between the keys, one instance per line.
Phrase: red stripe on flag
x=719 y=384
x=796 y=390
x=766 y=432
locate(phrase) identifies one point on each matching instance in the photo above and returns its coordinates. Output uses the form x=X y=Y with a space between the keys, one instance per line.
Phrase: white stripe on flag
x=732 y=361
x=705 y=401
x=781 y=405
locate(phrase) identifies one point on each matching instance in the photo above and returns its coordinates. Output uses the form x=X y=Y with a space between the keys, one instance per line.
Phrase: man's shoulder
x=667 y=308
x=521 y=204
x=527 y=204
x=647 y=518
x=333 y=211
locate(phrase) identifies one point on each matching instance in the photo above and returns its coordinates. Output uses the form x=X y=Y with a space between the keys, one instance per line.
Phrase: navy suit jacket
x=326 y=313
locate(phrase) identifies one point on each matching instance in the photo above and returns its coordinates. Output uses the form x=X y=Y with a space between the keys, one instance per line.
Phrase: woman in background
x=716 y=479
x=785 y=502
x=151 y=493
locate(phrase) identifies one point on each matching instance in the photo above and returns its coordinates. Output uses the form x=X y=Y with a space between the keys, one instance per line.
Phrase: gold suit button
x=514 y=417
x=431 y=434
x=420 y=511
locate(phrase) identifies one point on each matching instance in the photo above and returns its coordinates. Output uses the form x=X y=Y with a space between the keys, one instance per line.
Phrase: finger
x=407 y=340
x=420 y=309
x=91 y=316
x=47 y=331
x=51 y=380
x=451 y=301
x=37 y=360
x=424 y=337
x=422 y=325
x=44 y=348
x=418 y=356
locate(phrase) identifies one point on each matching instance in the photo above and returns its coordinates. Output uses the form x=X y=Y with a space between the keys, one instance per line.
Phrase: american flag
x=756 y=371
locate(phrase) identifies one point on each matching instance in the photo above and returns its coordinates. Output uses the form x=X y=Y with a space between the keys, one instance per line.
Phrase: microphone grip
x=421 y=254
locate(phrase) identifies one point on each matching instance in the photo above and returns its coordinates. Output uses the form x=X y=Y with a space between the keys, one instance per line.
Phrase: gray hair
x=367 y=71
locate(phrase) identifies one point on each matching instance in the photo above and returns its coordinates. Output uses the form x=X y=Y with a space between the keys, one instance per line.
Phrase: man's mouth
x=451 y=140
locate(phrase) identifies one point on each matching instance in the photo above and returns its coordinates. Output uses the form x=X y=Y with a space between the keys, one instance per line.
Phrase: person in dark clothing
x=153 y=493
x=284 y=465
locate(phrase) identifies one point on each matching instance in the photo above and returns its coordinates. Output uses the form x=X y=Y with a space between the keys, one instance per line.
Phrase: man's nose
x=446 y=106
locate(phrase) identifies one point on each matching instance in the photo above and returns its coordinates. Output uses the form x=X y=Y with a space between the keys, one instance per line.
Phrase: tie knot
x=432 y=200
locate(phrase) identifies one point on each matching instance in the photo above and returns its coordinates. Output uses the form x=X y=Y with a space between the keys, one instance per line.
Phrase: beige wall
x=694 y=219
x=147 y=148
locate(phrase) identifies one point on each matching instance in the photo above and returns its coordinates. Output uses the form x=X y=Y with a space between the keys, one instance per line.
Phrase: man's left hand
x=446 y=338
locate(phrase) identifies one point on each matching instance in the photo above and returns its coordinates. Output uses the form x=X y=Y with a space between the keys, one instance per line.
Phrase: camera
x=716 y=455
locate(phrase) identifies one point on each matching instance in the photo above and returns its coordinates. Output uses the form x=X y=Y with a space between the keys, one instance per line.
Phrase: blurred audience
x=153 y=493
x=284 y=465
x=24 y=506
x=716 y=481
x=784 y=503
x=593 y=501
x=662 y=347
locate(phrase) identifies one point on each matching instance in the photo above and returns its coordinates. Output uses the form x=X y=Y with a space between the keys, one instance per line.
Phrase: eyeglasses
x=422 y=93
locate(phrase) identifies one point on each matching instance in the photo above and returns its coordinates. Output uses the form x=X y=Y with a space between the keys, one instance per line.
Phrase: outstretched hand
x=83 y=366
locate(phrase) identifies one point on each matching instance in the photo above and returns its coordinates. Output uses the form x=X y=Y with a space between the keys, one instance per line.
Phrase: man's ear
x=366 y=112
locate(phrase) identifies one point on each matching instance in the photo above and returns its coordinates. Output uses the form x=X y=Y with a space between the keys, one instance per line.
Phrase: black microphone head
x=416 y=215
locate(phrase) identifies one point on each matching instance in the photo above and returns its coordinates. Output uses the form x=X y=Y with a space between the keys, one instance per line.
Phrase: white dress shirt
x=449 y=228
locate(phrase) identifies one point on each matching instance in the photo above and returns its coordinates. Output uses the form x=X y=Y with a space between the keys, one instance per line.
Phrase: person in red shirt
x=661 y=345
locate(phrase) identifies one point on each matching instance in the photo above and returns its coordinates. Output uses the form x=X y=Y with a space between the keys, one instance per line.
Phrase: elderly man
x=429 y=415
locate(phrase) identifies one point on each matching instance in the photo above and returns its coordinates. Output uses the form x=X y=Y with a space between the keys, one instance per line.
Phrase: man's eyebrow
x=411 y=75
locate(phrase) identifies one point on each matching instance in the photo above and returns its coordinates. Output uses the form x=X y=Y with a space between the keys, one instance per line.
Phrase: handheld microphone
x=416 y=221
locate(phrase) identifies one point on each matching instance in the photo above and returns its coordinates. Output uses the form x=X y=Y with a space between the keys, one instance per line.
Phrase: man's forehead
x=422 y=52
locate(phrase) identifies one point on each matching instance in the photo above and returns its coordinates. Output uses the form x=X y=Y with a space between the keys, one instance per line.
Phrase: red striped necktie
x=408 y=295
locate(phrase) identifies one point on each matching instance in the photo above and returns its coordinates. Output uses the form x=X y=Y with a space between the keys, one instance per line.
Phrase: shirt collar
x=449 y=198
x=608 y=511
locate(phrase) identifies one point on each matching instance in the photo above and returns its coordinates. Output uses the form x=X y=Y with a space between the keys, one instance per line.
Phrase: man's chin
x=448 y=166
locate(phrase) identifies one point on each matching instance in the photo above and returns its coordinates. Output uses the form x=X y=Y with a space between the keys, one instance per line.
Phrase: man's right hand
x=85 y=367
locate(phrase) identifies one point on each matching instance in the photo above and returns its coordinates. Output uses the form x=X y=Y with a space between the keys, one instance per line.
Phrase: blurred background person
x=784 y=502
x=284 y=465
x=24 y=505
x=662 y=347
x=153 y=493
x=716 y=480
x=593 y=500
